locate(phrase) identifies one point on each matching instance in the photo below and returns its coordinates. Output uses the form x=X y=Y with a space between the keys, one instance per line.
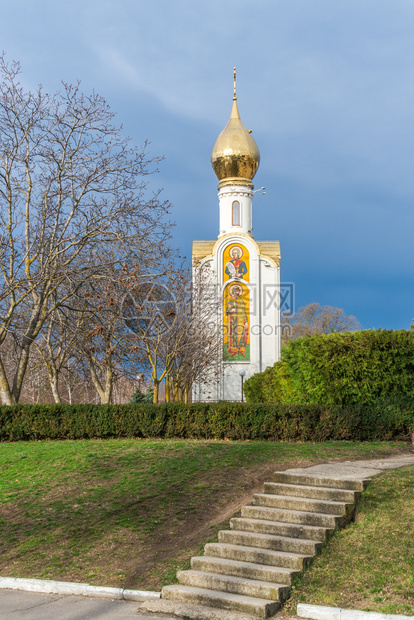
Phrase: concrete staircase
x=251 y=567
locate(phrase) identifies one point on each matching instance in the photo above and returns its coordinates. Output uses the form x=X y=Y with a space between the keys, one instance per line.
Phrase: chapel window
x=236 y=213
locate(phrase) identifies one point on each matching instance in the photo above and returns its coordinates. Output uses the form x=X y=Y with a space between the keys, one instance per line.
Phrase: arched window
x=235 y=213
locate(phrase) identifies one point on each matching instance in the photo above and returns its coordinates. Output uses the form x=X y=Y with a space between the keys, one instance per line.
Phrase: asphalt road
x=19 y=605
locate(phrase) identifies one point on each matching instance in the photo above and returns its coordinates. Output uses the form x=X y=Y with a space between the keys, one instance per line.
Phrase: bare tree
x=103 y=339
x=36 y=387
x=179 y=338
x=194 y=341
x=150 y=311
x=317 y=319
x=75 y=384
x=57 y=341
x=70 y=186
x=199 y=358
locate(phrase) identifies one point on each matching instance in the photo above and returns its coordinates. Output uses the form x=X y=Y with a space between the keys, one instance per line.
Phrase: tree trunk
x=55 y=389
x=167 y=389
x=95 y=381
x=20 y=372
x=54 y=381
x=155 y=397
x=109 y=386
x=5 y=392
x=36 y=322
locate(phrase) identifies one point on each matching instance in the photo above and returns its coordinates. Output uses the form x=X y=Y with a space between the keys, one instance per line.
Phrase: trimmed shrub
x=391 y=419
x=339 y=369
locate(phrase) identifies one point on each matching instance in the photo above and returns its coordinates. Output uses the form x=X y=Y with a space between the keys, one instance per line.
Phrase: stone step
x=296 y=517
x=267 y=541
x=234 y=585
x=303 y=504
x=246 y=570
x=319 y=481
x=251 y=567
x=276 y=528
x=256 y=555
x=300 y=490
x=262 y=608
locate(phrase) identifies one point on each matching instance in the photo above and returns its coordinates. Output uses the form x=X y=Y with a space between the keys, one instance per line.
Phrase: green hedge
x=339 y=369
x=383 y=420
x=271 y=386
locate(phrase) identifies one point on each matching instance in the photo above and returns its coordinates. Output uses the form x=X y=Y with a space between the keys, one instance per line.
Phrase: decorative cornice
x=266 y=250
x=202 y=250
x=235 y=192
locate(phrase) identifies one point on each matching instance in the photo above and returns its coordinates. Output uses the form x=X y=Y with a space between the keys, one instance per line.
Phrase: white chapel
x=246 y=272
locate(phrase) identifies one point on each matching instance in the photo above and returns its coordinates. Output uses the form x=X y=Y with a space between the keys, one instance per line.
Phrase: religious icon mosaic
x=236 y=263
x=236 y=331
x=236 y=304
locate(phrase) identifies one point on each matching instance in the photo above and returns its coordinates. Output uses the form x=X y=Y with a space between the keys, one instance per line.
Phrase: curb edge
x=320 y=612
x=84 y=589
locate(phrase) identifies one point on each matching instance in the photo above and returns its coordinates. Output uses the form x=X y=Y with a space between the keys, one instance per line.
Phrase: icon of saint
x=238 y=324
x=236 y=267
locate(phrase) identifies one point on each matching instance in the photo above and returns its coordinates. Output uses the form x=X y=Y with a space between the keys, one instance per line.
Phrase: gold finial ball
x=235 y=157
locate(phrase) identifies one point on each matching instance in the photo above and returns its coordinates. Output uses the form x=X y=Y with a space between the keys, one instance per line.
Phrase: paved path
x=359 y=470
x=20 y=605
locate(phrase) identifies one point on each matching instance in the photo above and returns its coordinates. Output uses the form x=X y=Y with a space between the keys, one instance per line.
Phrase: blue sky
x=327 y=88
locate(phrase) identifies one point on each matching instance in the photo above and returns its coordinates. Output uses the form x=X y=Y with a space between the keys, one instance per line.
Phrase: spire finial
x=234 y=91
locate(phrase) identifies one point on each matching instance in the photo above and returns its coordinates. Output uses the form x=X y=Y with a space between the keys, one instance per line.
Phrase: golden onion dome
x=235 y=157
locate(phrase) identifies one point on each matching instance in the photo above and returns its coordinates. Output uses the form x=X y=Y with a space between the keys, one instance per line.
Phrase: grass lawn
x=370 y=564
x=129 y=513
